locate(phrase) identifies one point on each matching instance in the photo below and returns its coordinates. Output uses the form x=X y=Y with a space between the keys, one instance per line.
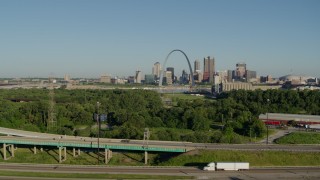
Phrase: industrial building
x=279 y=118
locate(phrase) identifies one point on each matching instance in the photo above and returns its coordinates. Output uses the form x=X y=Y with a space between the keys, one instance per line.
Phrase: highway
x=253 y=173
x=170 y=144
x=41 y=137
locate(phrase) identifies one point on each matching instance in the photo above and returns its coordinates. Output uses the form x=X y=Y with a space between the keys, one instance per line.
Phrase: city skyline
x=90 y=38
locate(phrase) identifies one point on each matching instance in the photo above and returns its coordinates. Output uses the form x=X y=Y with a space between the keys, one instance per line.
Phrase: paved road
x=256 y=173
x=33 y=136
x=169 y=144
x=279 y=133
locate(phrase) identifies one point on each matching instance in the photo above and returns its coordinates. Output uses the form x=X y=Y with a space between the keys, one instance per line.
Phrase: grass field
x=176 y=96
x=255 y=158
x=50 y=156
x=300 y=138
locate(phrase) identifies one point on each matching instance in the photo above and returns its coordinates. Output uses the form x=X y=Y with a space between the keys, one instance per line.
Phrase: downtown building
x=196 y=66
x=241 y=74
x=171 y=69
x=208 y=69
x=138 y=77
x=105 y=78
x=241 y=69
x=168 y=77
x=198 y=75
x=156 y=70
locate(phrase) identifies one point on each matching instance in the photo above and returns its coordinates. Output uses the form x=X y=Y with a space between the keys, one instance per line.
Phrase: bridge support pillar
x=107 y=155
x=11 y=150
x=35 y=150
x=65 y=153
x=4 y=151
x=41 y=149
x=60 y=159
x=146 y=157
x=76 y=153
x=110 y=154
x=64 y=157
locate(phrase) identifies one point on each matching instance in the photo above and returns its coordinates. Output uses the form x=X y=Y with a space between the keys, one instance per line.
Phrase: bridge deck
x=43 y=139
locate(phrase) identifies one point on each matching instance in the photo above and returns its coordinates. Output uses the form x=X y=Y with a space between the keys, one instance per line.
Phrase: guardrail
x=91 y=145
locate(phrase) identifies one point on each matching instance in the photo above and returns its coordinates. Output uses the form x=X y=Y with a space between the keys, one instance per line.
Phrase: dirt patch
x=192 y=153
x=127 y=160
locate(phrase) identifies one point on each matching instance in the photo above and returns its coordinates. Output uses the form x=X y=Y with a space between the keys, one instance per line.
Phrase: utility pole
x=98 y=123
x=146 y=136
x=51 y=122
x=267 y=129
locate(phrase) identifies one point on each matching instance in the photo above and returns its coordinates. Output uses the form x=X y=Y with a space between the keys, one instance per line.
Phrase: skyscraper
x=67 y=77
x=168 y=77
x=230 y=75
x=171 y=69
x=149 y=79
x=196 y=66
x=184 y=77
x=156 y=69
x=138 y=77
x=251 y=75
x=208 y=69
x=241 y=69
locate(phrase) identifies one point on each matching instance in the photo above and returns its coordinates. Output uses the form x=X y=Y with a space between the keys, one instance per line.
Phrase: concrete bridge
x=39 y=140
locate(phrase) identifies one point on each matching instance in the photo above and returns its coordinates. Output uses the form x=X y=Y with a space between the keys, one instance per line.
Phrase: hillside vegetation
x=231 y=118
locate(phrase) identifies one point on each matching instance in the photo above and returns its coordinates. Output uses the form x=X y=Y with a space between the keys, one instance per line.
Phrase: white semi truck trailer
x=227 y=166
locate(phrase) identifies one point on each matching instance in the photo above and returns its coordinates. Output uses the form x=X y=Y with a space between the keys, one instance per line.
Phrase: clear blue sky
x=87 y=38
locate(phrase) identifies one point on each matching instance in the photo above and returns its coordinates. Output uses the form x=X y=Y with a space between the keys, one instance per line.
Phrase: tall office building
x=241 y=69
x=171 y=69
x=67 y=77
x=208 y=69
x=138 y=77
x=168 y=77
x=149 y=79
x=156 y=70
x=251 y=76
x=184 y=77
x=230 y=75
x=196 y=66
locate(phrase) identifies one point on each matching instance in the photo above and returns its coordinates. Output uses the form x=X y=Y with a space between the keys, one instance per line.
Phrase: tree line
x=231 y=118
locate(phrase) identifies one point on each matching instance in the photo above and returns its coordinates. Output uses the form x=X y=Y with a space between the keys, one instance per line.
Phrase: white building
x=156 y=70
x=105 y=78
x=138 y=77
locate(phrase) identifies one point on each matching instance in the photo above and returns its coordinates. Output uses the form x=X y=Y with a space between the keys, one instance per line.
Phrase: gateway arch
x=164 y=66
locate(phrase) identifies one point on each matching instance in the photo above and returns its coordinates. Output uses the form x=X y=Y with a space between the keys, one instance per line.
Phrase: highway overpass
x=38 y=140
x=18 y=137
